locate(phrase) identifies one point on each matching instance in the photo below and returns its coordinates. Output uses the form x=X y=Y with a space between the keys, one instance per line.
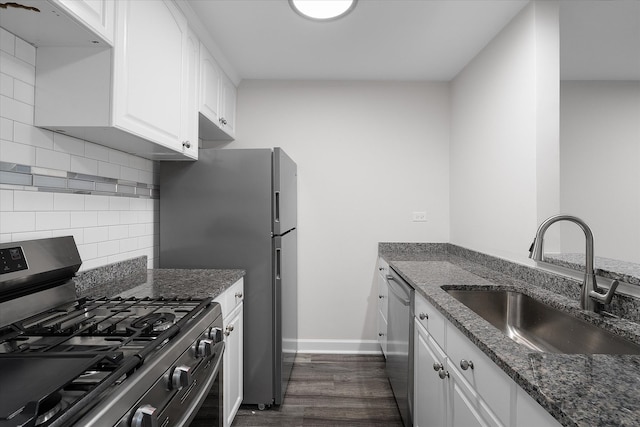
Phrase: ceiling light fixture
x=322 y=10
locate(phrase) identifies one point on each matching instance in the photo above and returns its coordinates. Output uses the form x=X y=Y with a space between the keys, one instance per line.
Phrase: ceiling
x=410 y=40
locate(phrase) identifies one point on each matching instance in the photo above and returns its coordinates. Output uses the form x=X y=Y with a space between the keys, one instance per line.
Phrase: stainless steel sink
x=540 y=326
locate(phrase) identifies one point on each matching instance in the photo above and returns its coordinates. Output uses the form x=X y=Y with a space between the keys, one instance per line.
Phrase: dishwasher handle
x=393 y=287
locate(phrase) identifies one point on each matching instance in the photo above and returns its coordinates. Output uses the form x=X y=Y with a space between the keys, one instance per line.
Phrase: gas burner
x=158 y=321
x=49 y=407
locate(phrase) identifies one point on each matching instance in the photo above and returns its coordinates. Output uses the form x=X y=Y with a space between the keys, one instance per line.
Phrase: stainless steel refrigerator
x=237 y=209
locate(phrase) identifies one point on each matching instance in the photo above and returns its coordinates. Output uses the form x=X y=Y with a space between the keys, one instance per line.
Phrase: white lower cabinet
x=233 y=329
x=457 y=385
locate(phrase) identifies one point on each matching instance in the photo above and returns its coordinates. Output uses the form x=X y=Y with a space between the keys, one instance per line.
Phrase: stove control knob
x=180 y=377
x=215 y=334
x=145 y=416
x=204 y=348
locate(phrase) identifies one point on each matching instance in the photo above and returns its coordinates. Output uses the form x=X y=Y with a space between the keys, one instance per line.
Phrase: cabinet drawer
x=429 y=317
x=491 y=384
x=231 y=298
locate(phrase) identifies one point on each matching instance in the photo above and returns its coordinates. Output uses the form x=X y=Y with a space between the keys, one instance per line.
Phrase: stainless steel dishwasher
x=400 y=344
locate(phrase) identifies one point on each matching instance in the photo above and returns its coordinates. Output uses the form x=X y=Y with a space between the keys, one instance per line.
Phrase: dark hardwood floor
x=331 y=390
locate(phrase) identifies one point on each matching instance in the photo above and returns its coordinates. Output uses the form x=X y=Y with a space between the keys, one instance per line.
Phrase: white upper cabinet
x=217 y=101
x=139 y=97
x=97 y=15
x=61 y=22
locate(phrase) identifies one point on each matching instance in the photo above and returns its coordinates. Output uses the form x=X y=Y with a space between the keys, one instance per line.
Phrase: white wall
x=368 y=154
x=106 y=228
x=504 y=137
x=600 y=154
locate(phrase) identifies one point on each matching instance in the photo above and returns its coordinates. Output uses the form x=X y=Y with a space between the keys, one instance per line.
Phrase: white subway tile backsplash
x=145 y=241
x=119 y=203
x=6 y=85
x=84 y=219
x=83 y=165
x=145 y=177
x=23 y=92
x=32 y=201
x=68 y=202
x=68 y=144
x=31 y=135
x=6 y=200
x=25 y=52
x=108 y=170
x=6 y=129
x=129 y=174
x=95 y=151
x=17 y=222
x=118 y=232
x=16 y=110
x=87 y=251
x=17 y=153
x=96 y=203
x=108 y=248
x=128 y=217
x=137 y=230
x=52 y=220
x=52 y=159
x=17 y=68
x=89 y=264
x=119 y=158
x=32 y=235
x=108 y=218
x=96 y=234
x=7 y=42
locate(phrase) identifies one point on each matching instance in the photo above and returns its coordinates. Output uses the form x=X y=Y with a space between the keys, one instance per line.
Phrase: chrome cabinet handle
x=238 y=294
x=437 y=366
x=443 y=374
x=381 y=296
x=466 y=364
x=186 y=144
x=229 y=329
x=380 y=334
x=423 y=316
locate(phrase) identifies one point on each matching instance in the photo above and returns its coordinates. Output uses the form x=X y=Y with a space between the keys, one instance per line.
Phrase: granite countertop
x=578 y=390
x=167 y=283
x=613 y=269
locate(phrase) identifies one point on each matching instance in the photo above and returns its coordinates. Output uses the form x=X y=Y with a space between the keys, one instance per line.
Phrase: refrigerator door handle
x=278 y=263
x=277 y=207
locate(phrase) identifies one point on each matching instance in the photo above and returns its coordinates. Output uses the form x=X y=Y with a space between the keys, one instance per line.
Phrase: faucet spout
x=589 y=295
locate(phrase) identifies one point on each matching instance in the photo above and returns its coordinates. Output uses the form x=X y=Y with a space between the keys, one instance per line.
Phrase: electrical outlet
x=419 y=217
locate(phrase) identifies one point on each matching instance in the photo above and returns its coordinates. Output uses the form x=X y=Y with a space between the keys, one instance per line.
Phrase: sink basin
x=539 y=326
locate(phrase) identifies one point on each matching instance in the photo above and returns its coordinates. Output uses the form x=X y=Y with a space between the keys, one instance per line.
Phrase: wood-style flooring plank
x=331 y=390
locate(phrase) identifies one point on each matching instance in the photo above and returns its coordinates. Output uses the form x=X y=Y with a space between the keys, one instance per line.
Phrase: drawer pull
x=229 y=330
x=381 y=296
x=466 y=364
x=238 y=294
x=443 y=374
x=423 y=316
x=437 y=366
x=380 y=334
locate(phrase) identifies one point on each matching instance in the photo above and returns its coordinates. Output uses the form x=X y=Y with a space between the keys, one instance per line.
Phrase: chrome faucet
x=589 y=295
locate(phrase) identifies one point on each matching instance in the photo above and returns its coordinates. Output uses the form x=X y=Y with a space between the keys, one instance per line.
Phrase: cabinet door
x=150 y=71
x=233 y=365
x=190 y=144
x=430 y=398
x=462 y=409
x=228 y=116
x=97 y=15
x=210 y=81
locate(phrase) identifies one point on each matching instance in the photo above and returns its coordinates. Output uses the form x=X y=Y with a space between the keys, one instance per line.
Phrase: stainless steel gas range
x=101 y=361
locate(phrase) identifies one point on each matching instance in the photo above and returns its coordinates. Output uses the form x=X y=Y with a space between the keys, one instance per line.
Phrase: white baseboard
x=339 y=346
